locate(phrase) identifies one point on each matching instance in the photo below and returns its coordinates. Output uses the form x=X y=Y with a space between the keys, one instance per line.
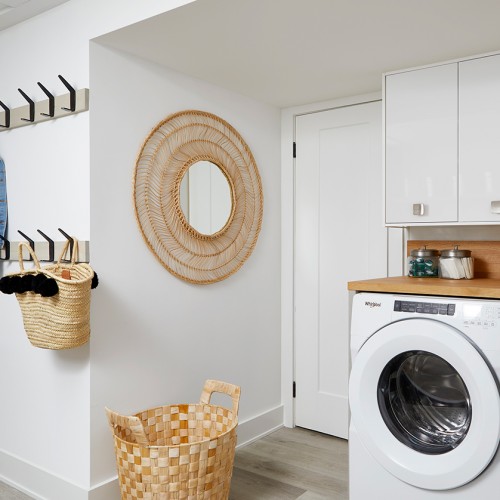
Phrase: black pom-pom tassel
x=6 y=285
x=95 y=281
x=26 y=283
x=16 y=284
x=38 y=280
x=48 y=288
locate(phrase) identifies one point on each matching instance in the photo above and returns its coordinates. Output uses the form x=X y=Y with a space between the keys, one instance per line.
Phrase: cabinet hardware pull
x=495 y=207
x=418 y=209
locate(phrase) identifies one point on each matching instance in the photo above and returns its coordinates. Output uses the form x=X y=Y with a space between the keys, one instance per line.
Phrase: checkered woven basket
x=181 y=451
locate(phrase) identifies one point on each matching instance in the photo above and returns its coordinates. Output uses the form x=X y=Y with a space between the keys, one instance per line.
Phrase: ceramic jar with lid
x=456 y=264
x=423 y=263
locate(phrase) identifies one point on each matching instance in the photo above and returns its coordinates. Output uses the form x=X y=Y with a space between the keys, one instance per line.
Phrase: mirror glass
x=205 y=196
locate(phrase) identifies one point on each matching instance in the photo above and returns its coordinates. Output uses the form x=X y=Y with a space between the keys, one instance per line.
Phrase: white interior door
x=339 y=237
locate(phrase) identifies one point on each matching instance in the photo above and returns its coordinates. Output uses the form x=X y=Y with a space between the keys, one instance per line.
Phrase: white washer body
x=424 y=397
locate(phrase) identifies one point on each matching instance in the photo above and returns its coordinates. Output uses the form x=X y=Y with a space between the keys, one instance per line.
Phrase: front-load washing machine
x=424 y=398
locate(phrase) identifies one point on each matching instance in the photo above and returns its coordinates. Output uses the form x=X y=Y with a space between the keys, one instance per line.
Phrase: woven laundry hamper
x=176 y=452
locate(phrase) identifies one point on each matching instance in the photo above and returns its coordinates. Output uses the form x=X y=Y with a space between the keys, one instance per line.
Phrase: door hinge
x=295 y=150
x=294 y=390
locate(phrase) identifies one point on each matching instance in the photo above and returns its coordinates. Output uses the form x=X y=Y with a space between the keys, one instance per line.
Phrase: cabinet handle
x=495 y=207
x=418 y=209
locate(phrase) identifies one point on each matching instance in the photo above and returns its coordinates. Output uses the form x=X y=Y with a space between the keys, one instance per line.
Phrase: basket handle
x=31 y=252
x=134 y=424
x=74 y=254
x=212 y=386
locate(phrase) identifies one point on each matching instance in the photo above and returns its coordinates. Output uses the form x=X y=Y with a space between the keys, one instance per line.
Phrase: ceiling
x=16 y=11
x=292 y=52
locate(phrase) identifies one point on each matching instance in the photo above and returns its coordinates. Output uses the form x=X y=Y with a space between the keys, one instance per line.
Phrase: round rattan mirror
x=174 y=145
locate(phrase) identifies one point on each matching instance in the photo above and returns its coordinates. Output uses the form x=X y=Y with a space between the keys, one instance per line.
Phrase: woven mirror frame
x=175 y=144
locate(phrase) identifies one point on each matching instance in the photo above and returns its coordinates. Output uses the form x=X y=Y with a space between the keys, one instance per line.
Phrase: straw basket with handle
x=60 y=320
x=176 y=452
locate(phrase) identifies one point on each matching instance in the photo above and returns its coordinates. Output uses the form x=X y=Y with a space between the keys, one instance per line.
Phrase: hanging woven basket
x=62 y=320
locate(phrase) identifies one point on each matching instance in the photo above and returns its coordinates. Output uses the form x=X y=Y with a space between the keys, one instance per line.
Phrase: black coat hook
x=71 y=243
x=30 y=241
x=52 y=101
x=72 y=95
x=51 y=247
x=6 y=248
x=32 y=107
x=7 y=115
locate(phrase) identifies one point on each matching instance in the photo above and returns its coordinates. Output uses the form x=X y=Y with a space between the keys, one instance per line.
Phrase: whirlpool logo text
x=373 y=304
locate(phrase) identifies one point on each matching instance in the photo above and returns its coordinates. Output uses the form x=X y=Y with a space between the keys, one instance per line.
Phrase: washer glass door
x=425 y=403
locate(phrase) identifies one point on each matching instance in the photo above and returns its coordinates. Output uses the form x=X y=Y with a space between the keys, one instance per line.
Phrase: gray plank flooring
x=8 y=493
x=289 y=464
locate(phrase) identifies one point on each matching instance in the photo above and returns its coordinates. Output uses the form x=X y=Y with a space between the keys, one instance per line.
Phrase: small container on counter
x=456 y=264
x=423 y=263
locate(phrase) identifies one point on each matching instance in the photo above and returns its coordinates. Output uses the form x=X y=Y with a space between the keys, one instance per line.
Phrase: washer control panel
x=424 y=307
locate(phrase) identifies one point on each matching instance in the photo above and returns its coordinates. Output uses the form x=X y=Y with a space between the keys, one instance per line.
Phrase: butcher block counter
x=480 y=288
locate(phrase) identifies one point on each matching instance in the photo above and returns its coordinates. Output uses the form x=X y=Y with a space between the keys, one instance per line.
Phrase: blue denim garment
x=3 y=201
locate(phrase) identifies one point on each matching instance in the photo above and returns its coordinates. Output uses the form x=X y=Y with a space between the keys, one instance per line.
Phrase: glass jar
x=423 y=263
x=456 y=264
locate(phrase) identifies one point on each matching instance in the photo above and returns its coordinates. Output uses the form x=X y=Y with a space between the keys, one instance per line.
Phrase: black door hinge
x=295 y=150
x=294 y=390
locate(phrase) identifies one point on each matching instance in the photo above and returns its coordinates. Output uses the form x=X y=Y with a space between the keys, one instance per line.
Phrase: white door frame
x=287 y=238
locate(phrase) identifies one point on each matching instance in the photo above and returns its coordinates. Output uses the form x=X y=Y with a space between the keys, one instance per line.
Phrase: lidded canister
x=456 y=264
x=423 y=263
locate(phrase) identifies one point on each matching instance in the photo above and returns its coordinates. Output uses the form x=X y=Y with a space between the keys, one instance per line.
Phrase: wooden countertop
x=480 y=288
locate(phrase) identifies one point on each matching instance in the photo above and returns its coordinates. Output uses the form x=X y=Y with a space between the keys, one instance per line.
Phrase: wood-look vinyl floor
x=8 y=493
x=289 y=464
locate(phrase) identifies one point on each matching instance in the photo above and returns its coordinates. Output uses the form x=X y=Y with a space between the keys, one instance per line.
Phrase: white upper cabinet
x=479 y=139
x=421 y=119
x=442 y=143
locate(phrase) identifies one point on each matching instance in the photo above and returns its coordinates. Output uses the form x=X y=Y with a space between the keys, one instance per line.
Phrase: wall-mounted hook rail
x=46 y=250
x=74 y=101
x=5 y=250
x=6 y=113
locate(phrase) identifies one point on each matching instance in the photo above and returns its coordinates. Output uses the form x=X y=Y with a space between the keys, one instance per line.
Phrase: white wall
x=157 y=338
x=147 y=351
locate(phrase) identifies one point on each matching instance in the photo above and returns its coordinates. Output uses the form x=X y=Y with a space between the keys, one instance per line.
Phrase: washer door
x=425 y=404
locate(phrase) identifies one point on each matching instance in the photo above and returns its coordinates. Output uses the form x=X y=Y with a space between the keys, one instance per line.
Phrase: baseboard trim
x=37 y=482
x=43 y=485
x=259 y=426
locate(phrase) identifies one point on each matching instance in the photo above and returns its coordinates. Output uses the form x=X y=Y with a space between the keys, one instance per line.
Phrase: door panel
x=421 y=144
x=339 y=237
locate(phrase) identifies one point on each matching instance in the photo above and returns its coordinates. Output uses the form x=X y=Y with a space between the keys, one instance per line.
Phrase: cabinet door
x=421 y=145
x=479 y=138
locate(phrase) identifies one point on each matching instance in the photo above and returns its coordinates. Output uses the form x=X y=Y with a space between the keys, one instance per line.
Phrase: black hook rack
x=71 y=243
x=7 y=116
x=51 y=247
x=72 y=95
x=52 y=101
x=31 y=105
x=30 y=241
x=46 y=252
x=6 y=248
x=55 y=106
